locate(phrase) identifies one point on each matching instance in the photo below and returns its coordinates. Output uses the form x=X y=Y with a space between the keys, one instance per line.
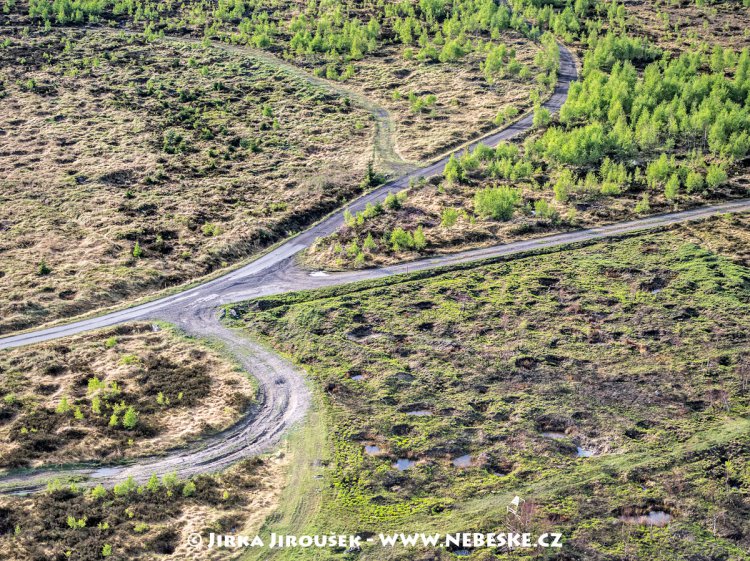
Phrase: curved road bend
x=262 y=271
x=283 y=397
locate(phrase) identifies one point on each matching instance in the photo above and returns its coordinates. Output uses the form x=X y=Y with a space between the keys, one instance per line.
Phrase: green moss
x=633 y=348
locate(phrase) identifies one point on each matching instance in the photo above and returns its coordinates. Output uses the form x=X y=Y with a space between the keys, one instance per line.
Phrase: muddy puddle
x=651 y=518
x=554 y=435
x=403 y=464
x=463 y=461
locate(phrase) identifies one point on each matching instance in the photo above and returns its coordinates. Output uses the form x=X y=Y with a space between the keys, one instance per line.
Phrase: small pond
x=463 y=461
x=651 y=518
x=403 y=464
x=554 y=435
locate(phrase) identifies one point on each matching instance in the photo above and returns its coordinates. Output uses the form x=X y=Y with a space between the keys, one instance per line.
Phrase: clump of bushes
x=402 y=240
x=498 y=203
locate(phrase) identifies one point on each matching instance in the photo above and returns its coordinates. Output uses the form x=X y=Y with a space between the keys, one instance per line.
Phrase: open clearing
x=602 y=382
x=173 y=147
x=465 y=104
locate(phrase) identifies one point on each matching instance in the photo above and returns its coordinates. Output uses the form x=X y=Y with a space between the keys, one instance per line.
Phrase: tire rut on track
x=282 y=400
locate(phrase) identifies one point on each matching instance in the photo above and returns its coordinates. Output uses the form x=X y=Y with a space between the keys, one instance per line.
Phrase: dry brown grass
x=426 y=202
x=85 y=176
x=146 y=524
x=250 y=517
x=728 y=236
x=679 y=24
x=202 y=392
x=466 y=103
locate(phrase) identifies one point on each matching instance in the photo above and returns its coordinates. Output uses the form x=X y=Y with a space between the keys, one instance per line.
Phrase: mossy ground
x=636 y=350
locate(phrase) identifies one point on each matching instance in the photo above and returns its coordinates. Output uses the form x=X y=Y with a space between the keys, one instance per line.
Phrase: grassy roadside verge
x=301 y=499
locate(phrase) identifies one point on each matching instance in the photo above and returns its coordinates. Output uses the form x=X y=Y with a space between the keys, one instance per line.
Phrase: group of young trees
x=498 y=203
x=695 y=103
x=612 y=179
x=397 y=240
x=332 y=31
x=85 y=11
x=333 y=34
x=675 y=102
x=66 y=11
x=605 y=50
x=500 y=62
x=101 y=396
x=571 y=20
x=432 y=31
x=502 y=162
x=634 y=103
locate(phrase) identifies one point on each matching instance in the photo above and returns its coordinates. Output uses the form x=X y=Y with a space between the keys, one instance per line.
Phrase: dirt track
x=275 y=271
x=283 y=395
